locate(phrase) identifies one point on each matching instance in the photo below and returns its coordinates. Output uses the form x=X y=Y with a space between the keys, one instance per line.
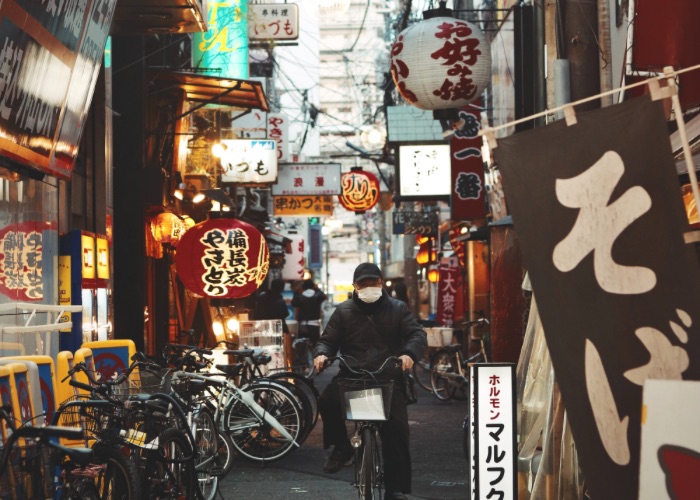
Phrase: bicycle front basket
x=366 y=399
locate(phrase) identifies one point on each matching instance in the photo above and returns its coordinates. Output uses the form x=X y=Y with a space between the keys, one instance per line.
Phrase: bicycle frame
x=231 y=393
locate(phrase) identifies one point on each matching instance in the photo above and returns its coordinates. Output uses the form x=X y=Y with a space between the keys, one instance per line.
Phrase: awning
x=243 y=94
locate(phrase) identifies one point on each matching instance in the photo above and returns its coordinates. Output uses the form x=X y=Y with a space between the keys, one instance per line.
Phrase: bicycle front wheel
x=442 y=375
x=169 y=470
x=118 y=478
x=369 y=468
x=253 y=437
x=206 y=439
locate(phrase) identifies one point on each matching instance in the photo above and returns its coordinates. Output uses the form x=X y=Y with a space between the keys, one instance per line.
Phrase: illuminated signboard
x=41 y=119
x=424 y=171
x=303 y=205
x=102 y=258
x=307 y=179
x=222 y=51
x=88 y=256
x=246 y=161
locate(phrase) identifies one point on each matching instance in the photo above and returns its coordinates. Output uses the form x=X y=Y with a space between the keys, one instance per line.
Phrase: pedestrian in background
x=368 y=329
x=307 y=310
x=271 y=304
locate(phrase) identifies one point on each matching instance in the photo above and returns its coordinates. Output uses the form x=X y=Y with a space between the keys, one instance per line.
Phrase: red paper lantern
x=359 y=190
x=222 y=257
x=441 y=63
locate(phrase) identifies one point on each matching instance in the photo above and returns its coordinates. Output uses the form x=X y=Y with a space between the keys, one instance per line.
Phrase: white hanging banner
x=278 y=131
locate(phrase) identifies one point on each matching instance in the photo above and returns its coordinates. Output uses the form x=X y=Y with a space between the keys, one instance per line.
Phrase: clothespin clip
x=570 y=116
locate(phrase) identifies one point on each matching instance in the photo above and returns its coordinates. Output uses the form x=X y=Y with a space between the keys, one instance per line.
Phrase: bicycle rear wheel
x=252 y=436
x=441 y=368
x=369 y=467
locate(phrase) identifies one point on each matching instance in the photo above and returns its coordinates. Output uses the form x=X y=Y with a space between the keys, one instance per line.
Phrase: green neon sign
x=223 y=50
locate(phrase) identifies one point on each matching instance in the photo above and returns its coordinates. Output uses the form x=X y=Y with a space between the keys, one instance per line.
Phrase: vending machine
x=84 y=279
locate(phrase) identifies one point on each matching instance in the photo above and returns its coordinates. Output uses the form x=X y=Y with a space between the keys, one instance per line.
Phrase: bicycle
x=367 y=402
x=263 y=418
x=449 y=372
x=78 y=472
x=160 y=454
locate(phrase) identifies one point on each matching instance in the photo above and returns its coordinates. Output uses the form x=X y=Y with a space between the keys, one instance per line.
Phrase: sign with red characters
x=222 y=257
x=359 y=190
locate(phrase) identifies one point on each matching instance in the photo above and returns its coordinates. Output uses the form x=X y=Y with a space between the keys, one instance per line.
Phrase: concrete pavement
x=439 y=466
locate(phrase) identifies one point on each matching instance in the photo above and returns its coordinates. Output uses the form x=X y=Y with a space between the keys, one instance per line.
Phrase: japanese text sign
x=87 y=247
x=449 y=296
x=303 y=205
x=424 y=223
x=278 y=131
x=222 y=258
x=424 y=171
x=249 y=161
x=307 y=179
x=600 y=219
x=468 y=188
x=21 y=262
x=41 y=119
x=273 y=21
x=360 y=190
x=493 y=426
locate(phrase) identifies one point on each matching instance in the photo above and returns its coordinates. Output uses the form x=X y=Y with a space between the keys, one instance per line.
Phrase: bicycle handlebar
x=341 y=359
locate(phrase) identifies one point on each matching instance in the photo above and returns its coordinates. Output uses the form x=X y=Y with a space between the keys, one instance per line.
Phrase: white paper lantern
x=441 y=63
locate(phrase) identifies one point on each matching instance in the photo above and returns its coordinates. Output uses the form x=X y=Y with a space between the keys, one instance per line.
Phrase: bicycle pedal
x=217 y=472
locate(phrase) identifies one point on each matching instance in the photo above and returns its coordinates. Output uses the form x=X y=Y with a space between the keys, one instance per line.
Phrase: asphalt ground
x=439 y=466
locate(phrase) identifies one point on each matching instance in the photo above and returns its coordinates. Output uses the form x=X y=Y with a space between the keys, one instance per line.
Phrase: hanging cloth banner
x=449 y=303
x=468 y=187
x=598 y=211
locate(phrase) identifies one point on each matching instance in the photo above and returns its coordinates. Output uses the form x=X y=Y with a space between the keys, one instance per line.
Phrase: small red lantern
x=441 y=62
x=359 y=190
x=222 y=257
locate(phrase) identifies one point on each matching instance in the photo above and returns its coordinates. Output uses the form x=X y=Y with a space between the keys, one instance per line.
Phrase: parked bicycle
x=449 y=372
x=262 y=418
x=161 y=454
x=367 y=403
x=34 y=465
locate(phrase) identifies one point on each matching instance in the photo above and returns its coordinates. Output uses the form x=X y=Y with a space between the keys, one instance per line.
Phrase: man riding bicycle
x=370 y=327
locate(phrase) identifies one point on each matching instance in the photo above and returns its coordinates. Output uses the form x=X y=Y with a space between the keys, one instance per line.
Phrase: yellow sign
x=88 y=257
x=64 y=295
x=102 y=258
x=303 y=205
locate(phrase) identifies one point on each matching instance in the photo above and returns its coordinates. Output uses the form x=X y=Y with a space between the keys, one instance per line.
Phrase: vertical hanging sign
x=468 y=189
x=449 y=304
x=278 y=130
x=223 y=50
x=493 y=468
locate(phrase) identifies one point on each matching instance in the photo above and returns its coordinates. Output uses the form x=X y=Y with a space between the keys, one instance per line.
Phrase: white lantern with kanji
x=441 y=63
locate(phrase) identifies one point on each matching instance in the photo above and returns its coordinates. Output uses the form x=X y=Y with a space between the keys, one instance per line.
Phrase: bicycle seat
x=261 y=358
x=231 y=370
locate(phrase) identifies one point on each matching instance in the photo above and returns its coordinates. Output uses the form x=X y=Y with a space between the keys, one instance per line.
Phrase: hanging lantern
x=359 y=190
x=441 y=62
x=433 y=275
x=167 y=227
x=222 y=257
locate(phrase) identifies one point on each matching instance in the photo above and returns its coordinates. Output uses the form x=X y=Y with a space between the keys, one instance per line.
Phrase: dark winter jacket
x=370 y=333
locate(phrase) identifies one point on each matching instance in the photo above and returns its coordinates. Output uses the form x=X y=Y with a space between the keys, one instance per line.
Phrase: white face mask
x=369 y=294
